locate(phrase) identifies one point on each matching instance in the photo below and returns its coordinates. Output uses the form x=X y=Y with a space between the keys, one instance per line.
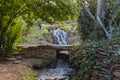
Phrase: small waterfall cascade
x=62 y=70
x=59 y=36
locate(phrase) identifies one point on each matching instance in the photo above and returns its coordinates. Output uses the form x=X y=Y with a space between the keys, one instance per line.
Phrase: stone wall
x=38 y=51
x=38 y=55
x=107 y=63
x=42 y=54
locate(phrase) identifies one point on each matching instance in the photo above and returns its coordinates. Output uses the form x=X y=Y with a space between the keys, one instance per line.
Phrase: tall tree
x=101 y=13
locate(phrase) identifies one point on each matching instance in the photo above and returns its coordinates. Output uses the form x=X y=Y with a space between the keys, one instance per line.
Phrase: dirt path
x=11 y=71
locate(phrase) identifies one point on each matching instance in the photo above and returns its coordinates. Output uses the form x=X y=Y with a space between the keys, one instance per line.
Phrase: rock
x=16 y=61
x=18 y=57
x=117 y=74
x=116 y=79
x=64 y=52
x=11 y=59
x=117 y=67
x=54 y=78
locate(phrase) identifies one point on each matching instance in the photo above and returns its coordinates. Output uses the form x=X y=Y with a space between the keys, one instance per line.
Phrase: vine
x=83 y=59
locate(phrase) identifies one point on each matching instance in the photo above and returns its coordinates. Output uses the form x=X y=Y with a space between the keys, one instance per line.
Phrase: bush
x=35 y=33
x=12 y=38
x=82 y=59
x=82 y=55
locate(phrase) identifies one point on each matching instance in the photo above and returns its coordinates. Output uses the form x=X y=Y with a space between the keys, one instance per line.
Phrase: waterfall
x=59 y=37
x=62 y=69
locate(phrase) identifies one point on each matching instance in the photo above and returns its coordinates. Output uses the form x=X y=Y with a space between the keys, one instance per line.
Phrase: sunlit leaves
x=52 y=10
x=46 y=10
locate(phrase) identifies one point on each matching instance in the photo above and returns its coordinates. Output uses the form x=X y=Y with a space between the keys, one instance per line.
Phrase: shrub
x=82 y=55
x=12 y=38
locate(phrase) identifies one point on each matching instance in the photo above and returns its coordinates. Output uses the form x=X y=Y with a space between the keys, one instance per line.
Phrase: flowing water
x=62 y=71
x=59 y=37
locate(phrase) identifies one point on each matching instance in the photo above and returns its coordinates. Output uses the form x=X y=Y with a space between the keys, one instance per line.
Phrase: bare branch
x=99 y=3
x=88 y=11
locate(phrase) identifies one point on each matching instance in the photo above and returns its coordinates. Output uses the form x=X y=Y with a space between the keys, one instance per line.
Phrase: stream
x=61 y=71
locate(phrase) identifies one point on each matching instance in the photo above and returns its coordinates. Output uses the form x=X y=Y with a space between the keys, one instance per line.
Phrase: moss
x=30 y=75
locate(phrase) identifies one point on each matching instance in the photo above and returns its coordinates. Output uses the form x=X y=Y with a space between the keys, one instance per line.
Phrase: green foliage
x=53 y=10
x=10 y=9
x=30 y=75
x=89 y=28
x=12 y=38
x=83 y=54
x=86 y=26
x=36 y=33
x=115 y=21
x=82 y=58
x=116 y=36
x=47 y=10
x=68 y=28
x=110 y=18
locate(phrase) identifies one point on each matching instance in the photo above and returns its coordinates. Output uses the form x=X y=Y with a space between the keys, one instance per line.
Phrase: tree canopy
x=27 y=10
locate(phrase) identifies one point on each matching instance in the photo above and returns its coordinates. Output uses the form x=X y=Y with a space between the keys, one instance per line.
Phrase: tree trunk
x=101 y=13
x=88 y=11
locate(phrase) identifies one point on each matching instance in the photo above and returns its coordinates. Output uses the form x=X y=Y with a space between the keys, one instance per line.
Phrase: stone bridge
x=43 y=50
x=43 y=54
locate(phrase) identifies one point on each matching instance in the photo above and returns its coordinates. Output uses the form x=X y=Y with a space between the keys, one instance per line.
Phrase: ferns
x=12 y=38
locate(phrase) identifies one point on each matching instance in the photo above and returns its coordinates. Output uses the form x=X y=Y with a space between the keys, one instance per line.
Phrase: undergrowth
x=82 y=56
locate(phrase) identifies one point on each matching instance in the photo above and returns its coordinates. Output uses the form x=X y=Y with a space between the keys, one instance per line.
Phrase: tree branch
x=11 y=19
x=99 y=3
x=88 y=11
